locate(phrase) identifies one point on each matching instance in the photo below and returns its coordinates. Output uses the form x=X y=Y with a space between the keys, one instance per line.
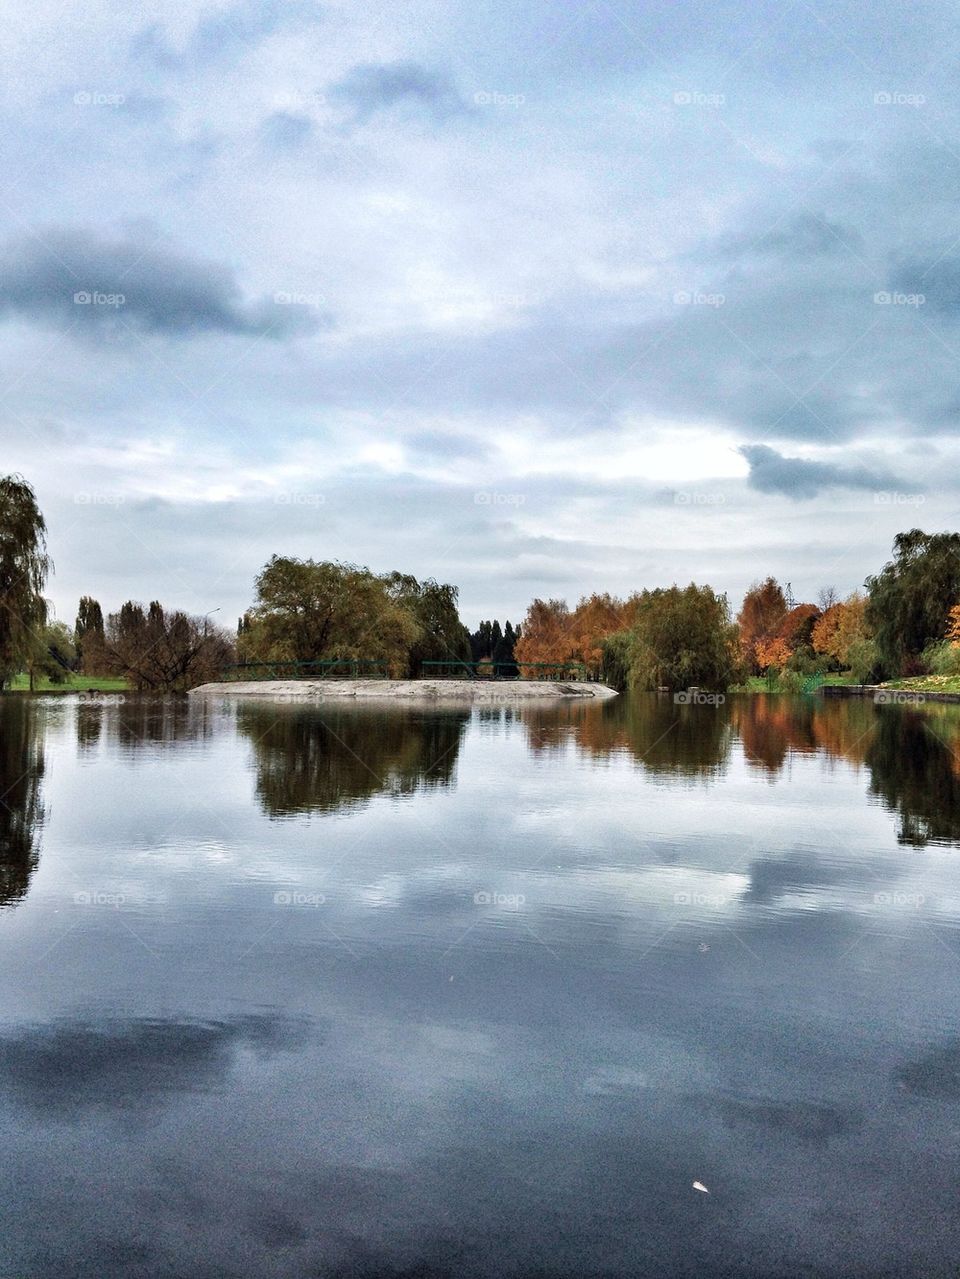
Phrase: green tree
x=51 y=655
x=682 y=637
x=24 y=565
x=910 y=599
x=309 y=611
x=433 y=606
x=88 y=635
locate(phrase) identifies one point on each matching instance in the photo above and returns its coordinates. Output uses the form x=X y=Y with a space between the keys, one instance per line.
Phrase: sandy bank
x=485 y=692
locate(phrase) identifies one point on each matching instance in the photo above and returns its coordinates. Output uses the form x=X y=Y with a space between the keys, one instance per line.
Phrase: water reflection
x=131 y=1065
x=771 y=728
x=914 y=764
x=666 y=738
x=21 y=805
x=913 y=756
x=641 y=945
x=310 y=760
x=132 y=723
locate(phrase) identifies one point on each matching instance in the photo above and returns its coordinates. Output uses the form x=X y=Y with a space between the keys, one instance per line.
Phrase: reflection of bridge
x=356 y=668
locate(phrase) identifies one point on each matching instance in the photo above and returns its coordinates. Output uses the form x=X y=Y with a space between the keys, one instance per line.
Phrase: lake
x=415 y=992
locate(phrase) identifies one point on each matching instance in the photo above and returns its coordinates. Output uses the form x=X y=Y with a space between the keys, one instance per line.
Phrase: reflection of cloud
x=792 y=1118
x=68 y=1066
x=935 y=1075
x=775 y=877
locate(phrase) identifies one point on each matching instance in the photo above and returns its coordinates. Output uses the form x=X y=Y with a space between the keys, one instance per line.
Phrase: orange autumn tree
x=772 y=655
x=797 y=627
x=554 y=633
x=761 y=615
x=841 y=628
x=545 y=634
x=596 y=617
x=953 y=626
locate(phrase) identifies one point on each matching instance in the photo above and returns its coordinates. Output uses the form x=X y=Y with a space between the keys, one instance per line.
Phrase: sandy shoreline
x=485 y=692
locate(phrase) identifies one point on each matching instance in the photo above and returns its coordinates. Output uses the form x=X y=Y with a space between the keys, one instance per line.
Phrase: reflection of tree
x=131 y=722
x=772 y=727
x=662 y=735
x=321 y=759
x=21 y=807
x=914 y=772
x=89 y=724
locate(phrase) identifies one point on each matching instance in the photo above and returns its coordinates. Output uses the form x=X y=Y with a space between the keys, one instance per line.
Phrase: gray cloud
x=934 y=282
x=798 y=478
x=284 y=129
x=78 y=278
x=802 y=236
x=375 y=87
x=222 y=34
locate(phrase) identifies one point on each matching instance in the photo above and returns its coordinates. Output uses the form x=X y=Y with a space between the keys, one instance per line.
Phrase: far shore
x=486 y=692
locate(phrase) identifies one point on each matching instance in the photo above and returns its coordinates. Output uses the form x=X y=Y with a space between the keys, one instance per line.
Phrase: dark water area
x=355 y=992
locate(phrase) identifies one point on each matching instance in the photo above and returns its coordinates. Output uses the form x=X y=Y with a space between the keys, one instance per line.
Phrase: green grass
x=926 y=684
x=74 y=684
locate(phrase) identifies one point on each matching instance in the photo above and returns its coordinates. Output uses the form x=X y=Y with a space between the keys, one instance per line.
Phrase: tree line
x=905 y=622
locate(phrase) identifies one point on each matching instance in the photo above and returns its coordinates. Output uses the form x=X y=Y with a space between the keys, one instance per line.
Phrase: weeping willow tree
x=24 y=565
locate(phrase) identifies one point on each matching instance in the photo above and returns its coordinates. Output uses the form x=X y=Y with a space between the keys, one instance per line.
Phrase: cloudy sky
x=539 y=299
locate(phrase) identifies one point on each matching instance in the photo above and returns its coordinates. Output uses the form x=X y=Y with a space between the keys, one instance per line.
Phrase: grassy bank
x=74 y=684
x=926 y=684
x=760 y=683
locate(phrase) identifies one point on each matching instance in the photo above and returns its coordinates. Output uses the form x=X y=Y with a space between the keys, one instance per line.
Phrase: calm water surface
x=292 y=992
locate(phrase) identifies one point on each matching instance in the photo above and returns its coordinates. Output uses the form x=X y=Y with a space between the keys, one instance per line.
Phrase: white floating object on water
x=698 y=1185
